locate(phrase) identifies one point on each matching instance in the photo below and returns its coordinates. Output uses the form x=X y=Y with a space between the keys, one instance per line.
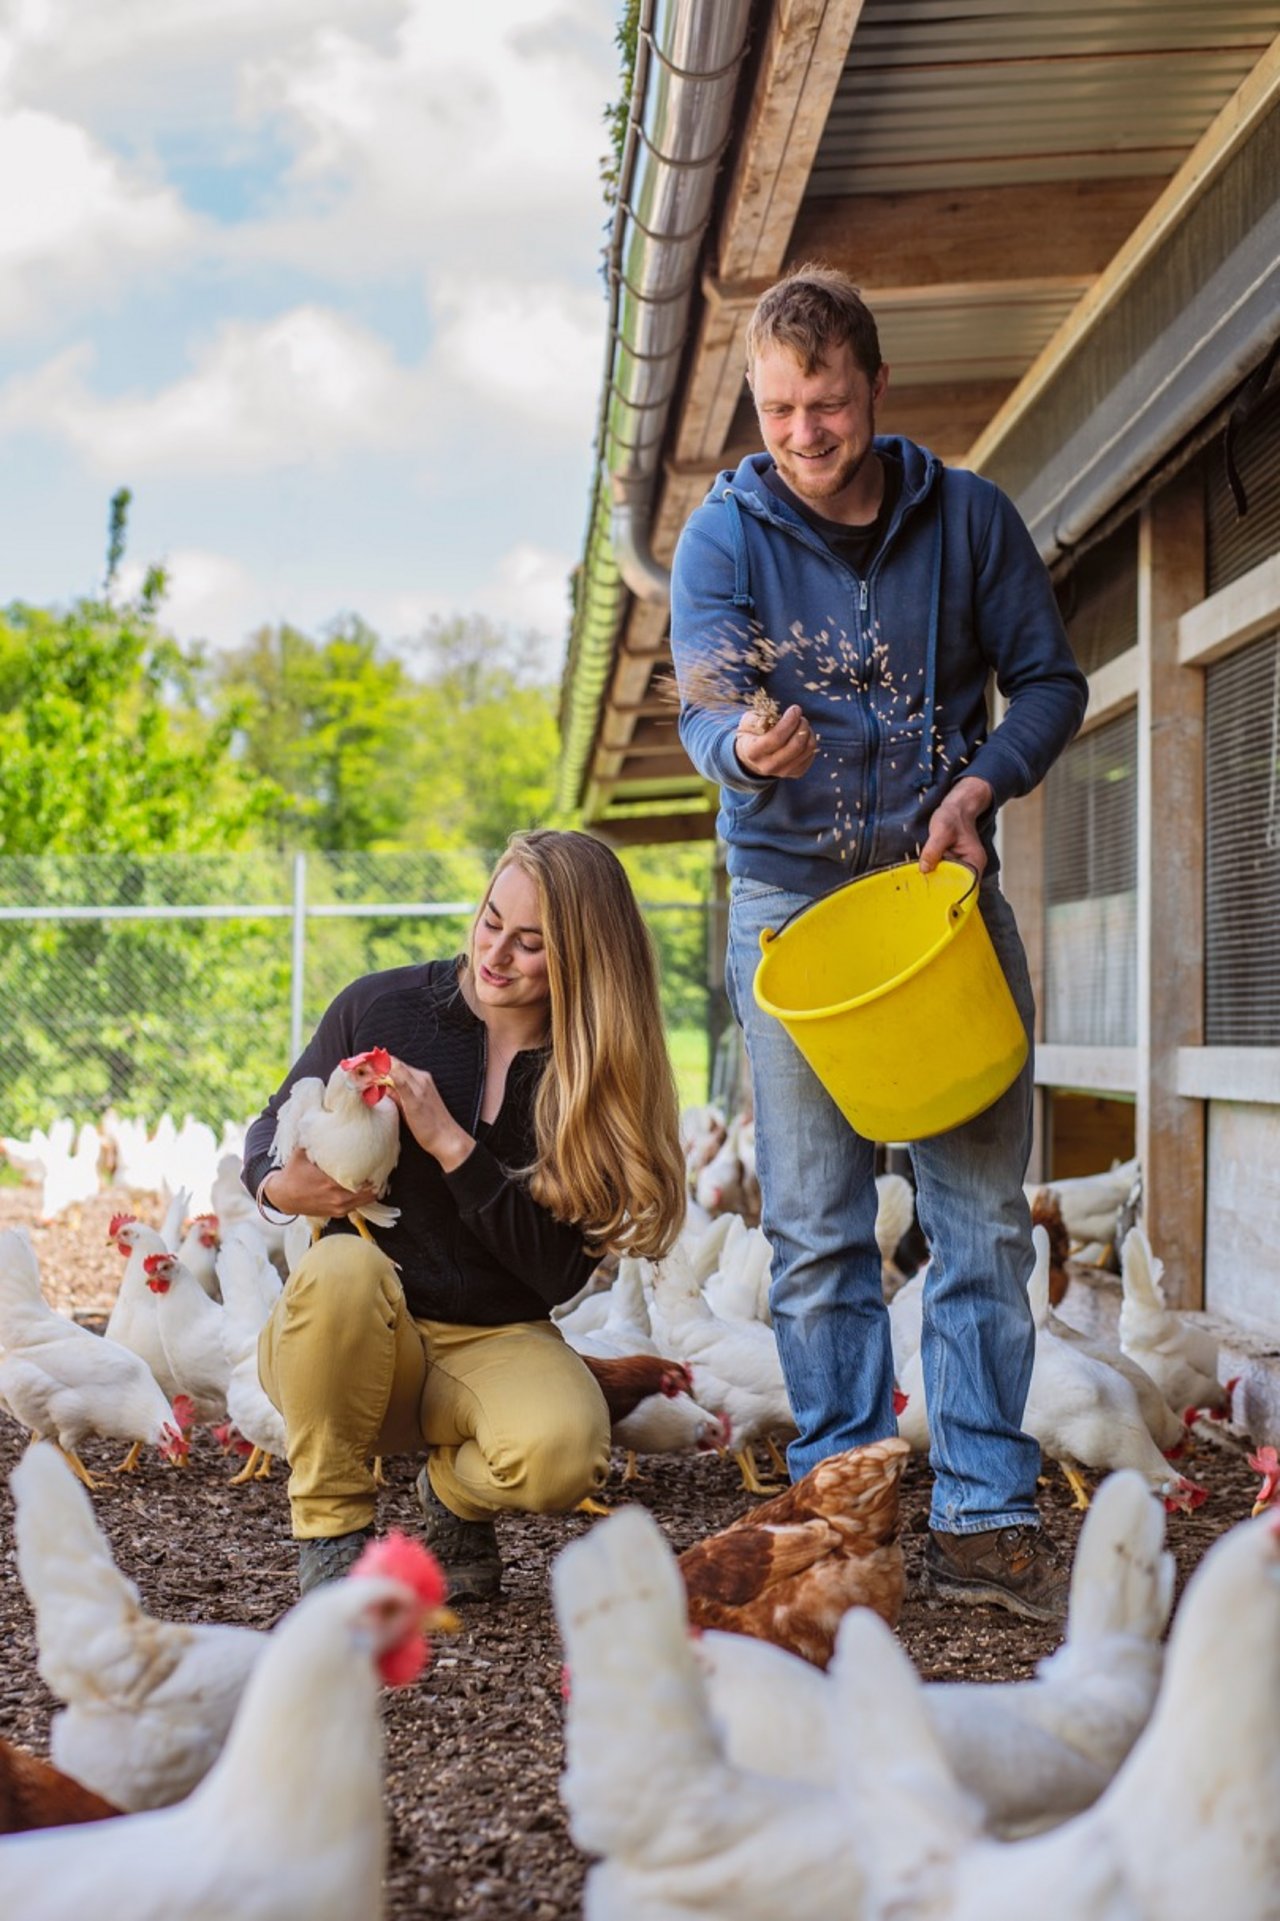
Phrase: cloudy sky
x=319 y=281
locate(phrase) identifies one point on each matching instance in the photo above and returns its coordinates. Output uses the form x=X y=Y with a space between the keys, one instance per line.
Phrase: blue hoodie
x=891 y=670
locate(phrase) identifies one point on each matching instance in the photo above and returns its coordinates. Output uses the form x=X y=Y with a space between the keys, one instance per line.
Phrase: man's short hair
x=810 y=311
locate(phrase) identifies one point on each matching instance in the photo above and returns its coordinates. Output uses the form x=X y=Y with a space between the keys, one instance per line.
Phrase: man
x=870 y=593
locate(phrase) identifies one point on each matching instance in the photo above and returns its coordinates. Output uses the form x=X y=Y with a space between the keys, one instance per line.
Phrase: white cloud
x=535 y=349
x=80 y=218
x=305 y=387
x=464 y=138
x=526 y=590
x=210 y=597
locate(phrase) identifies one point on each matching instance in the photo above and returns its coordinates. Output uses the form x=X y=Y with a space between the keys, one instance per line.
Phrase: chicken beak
x=441 y=1621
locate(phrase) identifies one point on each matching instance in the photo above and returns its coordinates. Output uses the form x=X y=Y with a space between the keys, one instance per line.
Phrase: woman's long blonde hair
x=606 y=1115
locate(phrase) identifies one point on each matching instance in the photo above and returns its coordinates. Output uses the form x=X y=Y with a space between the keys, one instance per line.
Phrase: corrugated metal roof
x=969 y=339
x=979 y=92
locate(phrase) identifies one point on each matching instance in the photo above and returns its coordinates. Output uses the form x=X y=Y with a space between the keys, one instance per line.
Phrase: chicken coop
x=1067 y=223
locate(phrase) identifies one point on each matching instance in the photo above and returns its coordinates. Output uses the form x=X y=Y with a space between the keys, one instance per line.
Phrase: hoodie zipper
x=871 y=784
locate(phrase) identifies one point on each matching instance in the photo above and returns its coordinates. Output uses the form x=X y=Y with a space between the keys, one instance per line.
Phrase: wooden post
x=1171 y=1128
x=1020 y=841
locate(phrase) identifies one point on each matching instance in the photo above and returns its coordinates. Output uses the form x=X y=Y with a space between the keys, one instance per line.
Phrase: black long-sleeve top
x=472 y=1245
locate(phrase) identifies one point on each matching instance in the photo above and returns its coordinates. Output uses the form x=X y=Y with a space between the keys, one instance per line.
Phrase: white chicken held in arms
x=349 y=1128
x=290 y=1821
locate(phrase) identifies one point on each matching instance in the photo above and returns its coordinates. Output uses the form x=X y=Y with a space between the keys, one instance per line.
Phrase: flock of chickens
x=779 y=1753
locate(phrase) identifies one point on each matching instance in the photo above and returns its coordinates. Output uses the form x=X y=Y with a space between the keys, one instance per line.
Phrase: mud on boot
x=466 y=1550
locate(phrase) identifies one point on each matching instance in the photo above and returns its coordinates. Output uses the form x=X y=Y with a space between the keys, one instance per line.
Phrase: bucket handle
x=953 y=912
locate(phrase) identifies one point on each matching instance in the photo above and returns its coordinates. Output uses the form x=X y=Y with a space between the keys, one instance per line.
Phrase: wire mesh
x=1242 y=848
x=1091 y=870
x=184 y=984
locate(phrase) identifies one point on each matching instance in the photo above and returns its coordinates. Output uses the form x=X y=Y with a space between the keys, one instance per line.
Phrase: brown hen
x=34 y=1794
x=632 y=1378
x=1046 y=1212
x=790 y=1569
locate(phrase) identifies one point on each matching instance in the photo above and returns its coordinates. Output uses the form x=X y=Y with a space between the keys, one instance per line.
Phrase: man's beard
x=814 y=488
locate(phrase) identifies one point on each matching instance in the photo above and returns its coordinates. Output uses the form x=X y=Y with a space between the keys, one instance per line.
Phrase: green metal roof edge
x=599 y=605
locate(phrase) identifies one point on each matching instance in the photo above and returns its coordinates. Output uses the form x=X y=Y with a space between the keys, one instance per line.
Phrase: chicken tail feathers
x=1141 y=1271
x=19 y=1271
x=907 y=1812
x=66 y=1567
x=1122 y=1580
x=620 y=1604
x=378 y=1214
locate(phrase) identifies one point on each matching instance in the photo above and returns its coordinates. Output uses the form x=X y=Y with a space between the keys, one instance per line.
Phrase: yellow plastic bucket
x=892 y=991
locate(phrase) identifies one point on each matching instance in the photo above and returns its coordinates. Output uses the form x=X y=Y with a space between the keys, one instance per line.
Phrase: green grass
x=687 y=1047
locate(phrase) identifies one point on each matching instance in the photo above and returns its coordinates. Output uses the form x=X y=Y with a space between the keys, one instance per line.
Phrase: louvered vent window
x=1235 y=544
x=1091 y=911
x=1099 y=599
x=1242 y=848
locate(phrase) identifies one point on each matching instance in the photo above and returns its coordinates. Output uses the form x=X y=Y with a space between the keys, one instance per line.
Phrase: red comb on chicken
x=1266 y=1462
x=158 y=1269
x=113 y=1232
x=398 y=1557
x=373 y=1070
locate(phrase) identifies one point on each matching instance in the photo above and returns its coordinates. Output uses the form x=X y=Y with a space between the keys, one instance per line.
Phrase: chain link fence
x=186 y=984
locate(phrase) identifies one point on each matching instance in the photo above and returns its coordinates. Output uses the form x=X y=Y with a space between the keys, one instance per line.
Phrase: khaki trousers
x=512 y=1417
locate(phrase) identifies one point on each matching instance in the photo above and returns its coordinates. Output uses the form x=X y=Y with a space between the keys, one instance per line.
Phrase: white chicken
x=625 y=1328
x=1211 y=1751
x=680 y=1830
x=349 y=1128
x=1083 y=1413
x=198 y=1252
x=70 y=1171
x=736 y=1369
x=250 y=1288
x=1167 y=1430
x=1090 y=1203
x=739 y=1289
x=1181 y=1359
x=148 y=1703
x=133 y=1321
x=669 y=1424
x=64 y=1383
x=289 y=1822
x=191 y=1333
x=234 y=1205
x=1033 y=1752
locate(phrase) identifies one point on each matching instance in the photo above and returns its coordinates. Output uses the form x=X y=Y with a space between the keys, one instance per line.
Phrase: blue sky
x=321 y=284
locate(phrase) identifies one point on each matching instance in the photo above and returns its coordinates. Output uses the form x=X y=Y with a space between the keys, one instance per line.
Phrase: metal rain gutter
x=683 y=90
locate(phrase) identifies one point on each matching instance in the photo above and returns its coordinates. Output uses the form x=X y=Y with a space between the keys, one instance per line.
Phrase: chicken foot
x=1075 y=1482
x=249 y=1471
x=750 y=1474
x=77 y=1467
x=130 y=1460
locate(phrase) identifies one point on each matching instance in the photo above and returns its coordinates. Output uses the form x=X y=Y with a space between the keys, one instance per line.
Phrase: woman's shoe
x=466 y=1550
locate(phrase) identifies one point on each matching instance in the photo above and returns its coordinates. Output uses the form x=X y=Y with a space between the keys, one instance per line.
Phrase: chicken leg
x=750 y=1474
x=1076 y=1484
x=77 y=1467
x=130 y=1460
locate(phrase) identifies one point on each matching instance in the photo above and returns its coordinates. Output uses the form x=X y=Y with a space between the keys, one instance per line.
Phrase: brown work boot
x=1008 y=1567
x=466 y=1550
x=330 y=1557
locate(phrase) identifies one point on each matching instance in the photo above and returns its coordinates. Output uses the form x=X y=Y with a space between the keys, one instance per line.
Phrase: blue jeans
x=817 y=1179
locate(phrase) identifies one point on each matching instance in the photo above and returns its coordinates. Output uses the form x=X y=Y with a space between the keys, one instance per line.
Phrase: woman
x=538 y=1127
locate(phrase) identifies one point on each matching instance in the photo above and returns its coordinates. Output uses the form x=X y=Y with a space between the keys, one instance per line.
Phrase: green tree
x=330 y=724
x=487 y=743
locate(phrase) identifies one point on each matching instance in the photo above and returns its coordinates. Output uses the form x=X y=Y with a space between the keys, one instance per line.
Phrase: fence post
x=299 y=954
